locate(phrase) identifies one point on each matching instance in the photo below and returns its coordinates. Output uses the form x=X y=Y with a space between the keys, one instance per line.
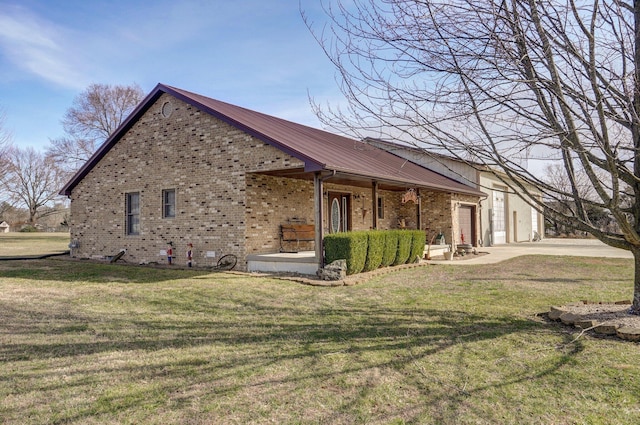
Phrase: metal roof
x=318 y=149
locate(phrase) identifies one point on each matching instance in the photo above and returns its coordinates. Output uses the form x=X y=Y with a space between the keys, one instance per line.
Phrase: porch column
x=318 y=208
x=419 y=213
x=374 y=214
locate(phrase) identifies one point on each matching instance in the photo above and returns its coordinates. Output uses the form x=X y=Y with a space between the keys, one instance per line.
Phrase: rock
x=629 y=334
x=585 y=324
x=337 y=270
x=606 y=329
x=556 y=312
x=569 y=318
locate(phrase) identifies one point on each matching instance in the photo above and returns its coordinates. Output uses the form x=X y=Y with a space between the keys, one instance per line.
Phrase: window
x=133 y=213
x=380 y=207
x=166 y=109
x=168 y=203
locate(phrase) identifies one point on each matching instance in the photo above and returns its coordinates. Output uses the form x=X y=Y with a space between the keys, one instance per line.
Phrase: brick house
x=186 y=168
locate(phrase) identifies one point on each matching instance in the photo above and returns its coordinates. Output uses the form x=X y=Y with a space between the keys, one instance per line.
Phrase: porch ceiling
x=344 y=179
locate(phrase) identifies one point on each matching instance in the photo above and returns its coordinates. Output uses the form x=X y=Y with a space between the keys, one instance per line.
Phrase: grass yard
x=84 y=343
x=27 y=244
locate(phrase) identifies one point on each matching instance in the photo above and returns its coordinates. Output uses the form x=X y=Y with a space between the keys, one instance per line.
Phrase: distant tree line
x=31 y=180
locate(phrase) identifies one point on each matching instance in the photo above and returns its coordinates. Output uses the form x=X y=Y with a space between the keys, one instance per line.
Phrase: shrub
x=350 y=246
x=336 y=247
x=366 y=251
x=390 y=247
x=375 y=250
x=404 y=247
x=28 y=229
x=417 y=244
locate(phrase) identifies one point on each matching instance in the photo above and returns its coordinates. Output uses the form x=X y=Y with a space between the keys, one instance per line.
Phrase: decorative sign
x=410 y=195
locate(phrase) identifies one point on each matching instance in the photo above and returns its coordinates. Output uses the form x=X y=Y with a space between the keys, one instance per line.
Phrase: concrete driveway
x=574 y=247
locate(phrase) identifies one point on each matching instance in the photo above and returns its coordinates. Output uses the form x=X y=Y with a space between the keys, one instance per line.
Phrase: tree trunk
x=32 y=216
x=635 y=307
x=635 y=133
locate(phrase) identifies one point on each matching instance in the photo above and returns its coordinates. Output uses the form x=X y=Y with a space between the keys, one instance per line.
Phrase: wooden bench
x=297 y=233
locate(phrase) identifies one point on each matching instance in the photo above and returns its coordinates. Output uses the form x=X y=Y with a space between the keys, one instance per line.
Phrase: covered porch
x=304 y=262
x=322 y=203
x=354 y=187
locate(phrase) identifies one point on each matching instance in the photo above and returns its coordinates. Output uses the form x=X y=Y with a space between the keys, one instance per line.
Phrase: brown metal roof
x=318 y=149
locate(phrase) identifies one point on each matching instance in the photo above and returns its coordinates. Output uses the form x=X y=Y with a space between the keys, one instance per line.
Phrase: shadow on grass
x=274 y=338
x=227 y=339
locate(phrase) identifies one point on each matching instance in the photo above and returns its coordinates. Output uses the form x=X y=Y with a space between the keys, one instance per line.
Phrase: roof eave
x=392 y=180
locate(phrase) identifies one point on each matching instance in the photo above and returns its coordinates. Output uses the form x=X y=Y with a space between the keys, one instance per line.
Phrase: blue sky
x=253 y=53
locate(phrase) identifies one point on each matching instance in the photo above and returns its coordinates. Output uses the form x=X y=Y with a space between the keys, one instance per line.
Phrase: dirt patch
x=616 y=313
x=600 y=317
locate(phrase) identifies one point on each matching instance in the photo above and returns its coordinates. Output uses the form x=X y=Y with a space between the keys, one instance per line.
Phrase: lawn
x=85 y=343
x=26 y=244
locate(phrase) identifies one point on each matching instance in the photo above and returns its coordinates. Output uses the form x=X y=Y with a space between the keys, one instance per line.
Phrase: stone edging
x=348 y=281
x=567 y=317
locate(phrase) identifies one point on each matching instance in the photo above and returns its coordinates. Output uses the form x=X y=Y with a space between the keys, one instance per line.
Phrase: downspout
x=318 y=181
x=419 y=211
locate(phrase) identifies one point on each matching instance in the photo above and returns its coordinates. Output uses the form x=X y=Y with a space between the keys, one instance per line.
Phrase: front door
x=339 y=212
x=466 y=221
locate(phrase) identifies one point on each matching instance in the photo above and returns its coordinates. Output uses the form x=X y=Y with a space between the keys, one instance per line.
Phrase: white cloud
x=39 y=47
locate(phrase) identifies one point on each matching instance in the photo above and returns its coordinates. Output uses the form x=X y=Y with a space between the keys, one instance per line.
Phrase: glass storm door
x=339 y=212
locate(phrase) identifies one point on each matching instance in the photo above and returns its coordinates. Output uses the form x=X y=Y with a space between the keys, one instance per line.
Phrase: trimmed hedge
x=390 y=247
x=417 y=245
x=368 y=250
x=350 y=246
x=375 y=250
x=404 y=247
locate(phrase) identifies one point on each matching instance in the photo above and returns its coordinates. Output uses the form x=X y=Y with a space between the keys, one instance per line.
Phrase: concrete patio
x=304 y=262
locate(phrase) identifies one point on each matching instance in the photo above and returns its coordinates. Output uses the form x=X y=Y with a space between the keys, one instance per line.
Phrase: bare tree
x=31 y=180
x=5 y=143
x=70 y=154
x=500 y=82
x=95 y=114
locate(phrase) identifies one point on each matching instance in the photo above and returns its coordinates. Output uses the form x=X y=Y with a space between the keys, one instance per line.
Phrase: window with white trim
x=168 y=203
x=133 y=213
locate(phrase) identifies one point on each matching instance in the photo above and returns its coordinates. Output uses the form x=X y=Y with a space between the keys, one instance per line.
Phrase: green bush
x=390 y=247
x=336 y=247
x=350 y=246
x=366 y=251
x=375 y=250
x=404 y=247
x=29 y=229
x=417 y=245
